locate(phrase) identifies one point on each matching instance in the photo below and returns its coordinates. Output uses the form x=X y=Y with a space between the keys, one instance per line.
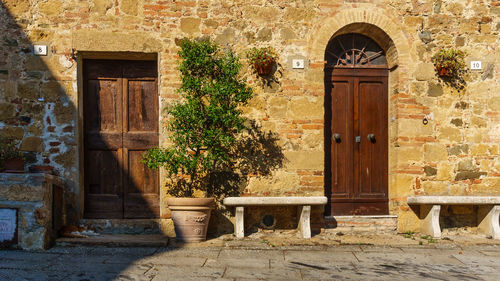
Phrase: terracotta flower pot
x=14 y=166
x=264 y=68
x=41 y=169
x=191 y=217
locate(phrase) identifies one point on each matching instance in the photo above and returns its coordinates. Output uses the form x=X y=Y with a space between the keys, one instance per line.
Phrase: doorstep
x=127 y=226
x=116 y=240
x=358 y=224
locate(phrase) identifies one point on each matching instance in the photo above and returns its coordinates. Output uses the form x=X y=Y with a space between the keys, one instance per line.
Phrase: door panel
x=118 y=96
x=142 y=101
x=372 y=154
x=103 y=177
x=103 y=105
x=358 y=164
x=341 y=148
x=140 y=134
x=142 y=191
x=104 y=181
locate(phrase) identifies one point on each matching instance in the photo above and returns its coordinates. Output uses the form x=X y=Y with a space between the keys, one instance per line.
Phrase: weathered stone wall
x=32 y=196
x=457 y=152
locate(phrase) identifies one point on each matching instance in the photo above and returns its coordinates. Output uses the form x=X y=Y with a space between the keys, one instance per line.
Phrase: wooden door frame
x=329 y=73
x=80 y=130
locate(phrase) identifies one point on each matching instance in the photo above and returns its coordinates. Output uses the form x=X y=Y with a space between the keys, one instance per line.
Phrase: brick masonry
x=456 y=153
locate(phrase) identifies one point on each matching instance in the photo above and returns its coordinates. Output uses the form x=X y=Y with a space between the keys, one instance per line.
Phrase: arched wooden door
x=356 y=135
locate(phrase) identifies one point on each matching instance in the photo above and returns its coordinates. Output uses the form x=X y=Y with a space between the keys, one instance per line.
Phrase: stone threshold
x=116 y=240
x=368 y=217
x=126 y=226
x=357 y=223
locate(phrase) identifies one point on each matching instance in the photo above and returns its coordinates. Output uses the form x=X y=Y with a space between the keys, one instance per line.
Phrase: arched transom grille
x=354 y=51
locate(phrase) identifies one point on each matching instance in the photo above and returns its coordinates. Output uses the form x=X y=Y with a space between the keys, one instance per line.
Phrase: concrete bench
x=431 y=207
x=304 y=203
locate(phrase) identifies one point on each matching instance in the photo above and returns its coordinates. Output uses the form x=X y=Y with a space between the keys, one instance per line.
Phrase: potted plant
x=12 y=159
x=449 y=62
x=262 y=59
x=203 y=126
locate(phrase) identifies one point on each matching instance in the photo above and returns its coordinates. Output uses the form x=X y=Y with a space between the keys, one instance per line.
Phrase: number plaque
x=475 y=65
x=40 y=50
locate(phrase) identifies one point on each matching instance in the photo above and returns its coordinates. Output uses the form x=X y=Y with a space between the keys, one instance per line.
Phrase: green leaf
x=203 y=125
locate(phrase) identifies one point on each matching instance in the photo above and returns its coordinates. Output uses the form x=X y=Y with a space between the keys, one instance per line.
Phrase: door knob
x=336 y=137
x=371 y=137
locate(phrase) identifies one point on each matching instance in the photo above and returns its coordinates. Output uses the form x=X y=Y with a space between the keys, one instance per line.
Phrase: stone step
x=125 y=226
x=360 y=224
x=116 y=240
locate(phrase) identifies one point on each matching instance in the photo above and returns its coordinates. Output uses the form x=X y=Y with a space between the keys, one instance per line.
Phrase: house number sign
x=8 y=225
x=298 y=64
x=40 y=50
x=475 y=65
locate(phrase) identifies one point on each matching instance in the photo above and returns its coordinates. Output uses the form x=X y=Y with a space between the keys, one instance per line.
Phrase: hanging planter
x=264 y=68
x=14 y=165
x=262 y=60
x=11 y=158
x=443 y=71
x=449 y=63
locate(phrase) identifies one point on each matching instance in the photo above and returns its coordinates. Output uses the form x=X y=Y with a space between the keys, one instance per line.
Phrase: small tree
x=204 y=124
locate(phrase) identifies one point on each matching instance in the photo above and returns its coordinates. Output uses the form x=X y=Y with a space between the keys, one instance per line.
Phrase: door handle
x=371 y=137
x=336 y=137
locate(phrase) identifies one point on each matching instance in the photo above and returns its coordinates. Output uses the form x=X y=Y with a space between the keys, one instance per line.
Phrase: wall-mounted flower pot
x=264 y=68
x=443 y=71
x=41 y=169
x=14 y=165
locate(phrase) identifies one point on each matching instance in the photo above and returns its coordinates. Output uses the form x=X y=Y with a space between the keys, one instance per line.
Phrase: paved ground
x=334 y=262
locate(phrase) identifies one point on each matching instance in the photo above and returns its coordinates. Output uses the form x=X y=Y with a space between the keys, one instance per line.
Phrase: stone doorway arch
x=356 y=126
x=383 y=27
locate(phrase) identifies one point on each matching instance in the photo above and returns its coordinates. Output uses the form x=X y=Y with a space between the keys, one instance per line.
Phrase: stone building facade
x=455 y=153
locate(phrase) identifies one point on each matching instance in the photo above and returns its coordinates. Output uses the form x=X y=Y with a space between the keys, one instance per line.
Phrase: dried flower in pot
x=11 y=158
x=449 y=62
x=262 y=59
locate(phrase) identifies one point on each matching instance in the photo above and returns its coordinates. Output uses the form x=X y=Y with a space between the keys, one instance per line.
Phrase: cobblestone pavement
x=340 y=262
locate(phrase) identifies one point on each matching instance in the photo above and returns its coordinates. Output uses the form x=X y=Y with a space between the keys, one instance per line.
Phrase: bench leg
x=305 y=221
x=489 y=224
x=239 y=226
x=430 y=222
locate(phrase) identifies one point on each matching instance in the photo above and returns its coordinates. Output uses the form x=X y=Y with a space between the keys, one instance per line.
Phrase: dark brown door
x=358 y=159
x=121 y=122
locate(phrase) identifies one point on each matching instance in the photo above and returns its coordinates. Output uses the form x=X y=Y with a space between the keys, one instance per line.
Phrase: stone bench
x=304 y=203
x=430 y=207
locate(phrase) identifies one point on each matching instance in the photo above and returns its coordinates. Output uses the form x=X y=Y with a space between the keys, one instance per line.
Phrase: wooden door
x=121 y=122
x=358 y=145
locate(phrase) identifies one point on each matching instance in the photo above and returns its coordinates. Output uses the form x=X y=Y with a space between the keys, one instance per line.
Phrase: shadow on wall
x=327 y=131
x=38 y=96
x=38 y=105
x=258 y=153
